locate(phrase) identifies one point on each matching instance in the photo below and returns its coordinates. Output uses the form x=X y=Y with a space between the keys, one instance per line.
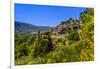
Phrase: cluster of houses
x=75 y=25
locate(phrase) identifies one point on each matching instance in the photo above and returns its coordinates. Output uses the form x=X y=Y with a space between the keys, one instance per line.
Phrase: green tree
x=73 y=35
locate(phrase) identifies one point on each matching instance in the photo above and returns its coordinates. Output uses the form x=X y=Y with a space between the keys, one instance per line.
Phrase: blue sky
x=43 y=15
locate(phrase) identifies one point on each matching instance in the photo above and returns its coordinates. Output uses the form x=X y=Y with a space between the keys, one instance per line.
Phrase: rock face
x=71 y=24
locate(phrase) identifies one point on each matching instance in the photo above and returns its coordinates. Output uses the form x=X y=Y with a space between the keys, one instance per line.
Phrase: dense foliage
x=71 y=41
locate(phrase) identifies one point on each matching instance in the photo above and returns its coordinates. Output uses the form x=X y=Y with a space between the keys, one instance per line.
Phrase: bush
x=73 y=35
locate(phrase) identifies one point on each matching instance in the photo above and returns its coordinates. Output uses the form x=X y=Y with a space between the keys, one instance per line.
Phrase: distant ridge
x=25 y=27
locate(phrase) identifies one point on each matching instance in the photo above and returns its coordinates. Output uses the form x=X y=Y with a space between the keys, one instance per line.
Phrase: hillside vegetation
x=70 y=41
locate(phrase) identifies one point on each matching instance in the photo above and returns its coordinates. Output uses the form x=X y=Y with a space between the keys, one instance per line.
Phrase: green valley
x=70 y=41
